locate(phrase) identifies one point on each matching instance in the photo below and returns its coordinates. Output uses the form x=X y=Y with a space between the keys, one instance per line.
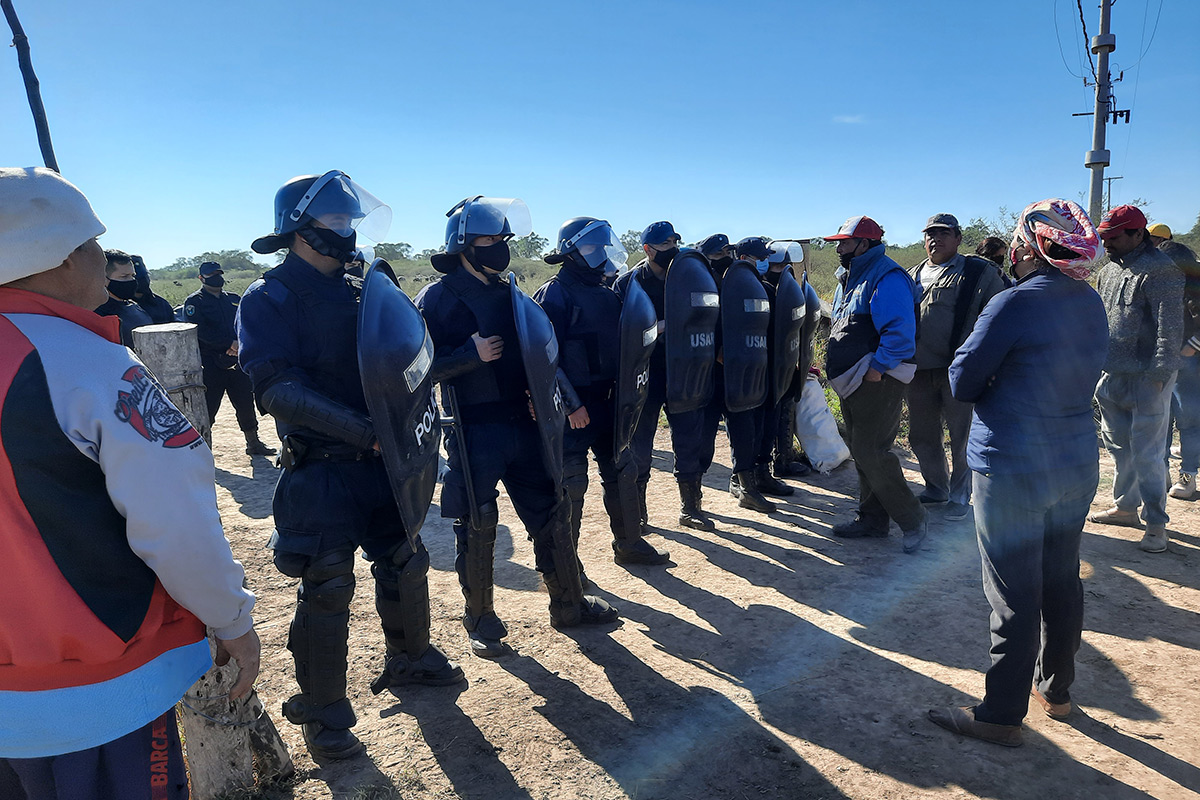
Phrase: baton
x=461 y=439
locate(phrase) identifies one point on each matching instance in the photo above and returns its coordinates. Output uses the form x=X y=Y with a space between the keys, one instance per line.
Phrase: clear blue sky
x=180 y=120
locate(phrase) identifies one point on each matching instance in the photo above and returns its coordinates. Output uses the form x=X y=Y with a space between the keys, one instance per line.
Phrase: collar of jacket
x=23 y=301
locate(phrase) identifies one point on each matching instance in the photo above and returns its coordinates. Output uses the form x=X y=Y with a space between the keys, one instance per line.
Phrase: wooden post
x=220 y=734
x=172 y=352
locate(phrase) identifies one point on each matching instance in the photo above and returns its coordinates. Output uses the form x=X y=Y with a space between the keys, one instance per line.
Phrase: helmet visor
x=785 y=253
x=338 y=203
x=492 y=216
x=598 y=243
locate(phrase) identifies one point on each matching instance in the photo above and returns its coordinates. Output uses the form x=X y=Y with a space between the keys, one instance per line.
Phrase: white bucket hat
x=43 y=218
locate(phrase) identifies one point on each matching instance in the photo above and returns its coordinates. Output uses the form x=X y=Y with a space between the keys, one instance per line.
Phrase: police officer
x=158 y=308
x=213 y=311
x=586 y=315
x=298 y=334
x=479 y=362
x=660 y=243
x=119 y=271
x=771 y=267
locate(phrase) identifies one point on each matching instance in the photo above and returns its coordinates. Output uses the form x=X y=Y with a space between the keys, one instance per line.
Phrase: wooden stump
x=220 y=734
x=172 y=353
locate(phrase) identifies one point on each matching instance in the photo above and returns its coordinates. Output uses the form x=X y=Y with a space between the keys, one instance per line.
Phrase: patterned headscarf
x=1062 y=222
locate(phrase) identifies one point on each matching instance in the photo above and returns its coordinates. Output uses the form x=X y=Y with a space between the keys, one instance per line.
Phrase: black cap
x=210 y=268
x=753 y=247
x=711 y=245
x=659 y=233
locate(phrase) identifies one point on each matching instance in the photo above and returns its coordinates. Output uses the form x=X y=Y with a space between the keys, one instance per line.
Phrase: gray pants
x=929 y=404
x=872 y=415
x=1133 y=424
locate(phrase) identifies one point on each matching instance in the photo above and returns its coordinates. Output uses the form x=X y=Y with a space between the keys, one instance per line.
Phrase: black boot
x=318 y=641
x=768 y=484
x=474 y=564
x=690 y=513
x=629 y=547
x=742 y=486
x=256 y=446
x=402 y=600
x=567 y=612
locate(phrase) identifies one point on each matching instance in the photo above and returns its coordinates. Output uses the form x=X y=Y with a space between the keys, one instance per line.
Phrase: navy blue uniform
x=298 y=324
x=692 y=455
x=130 y=315
x=495 y=427
x=214 y=315
x=586 y=316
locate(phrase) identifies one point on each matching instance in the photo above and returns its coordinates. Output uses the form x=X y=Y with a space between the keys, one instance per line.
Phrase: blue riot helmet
x=485 y=216
x=591 y=243
x=328 y=211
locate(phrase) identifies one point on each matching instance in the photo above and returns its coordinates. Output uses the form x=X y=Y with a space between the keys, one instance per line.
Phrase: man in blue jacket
x=872 y=343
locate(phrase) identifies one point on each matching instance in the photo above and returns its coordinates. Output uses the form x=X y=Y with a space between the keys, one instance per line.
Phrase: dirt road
x=768 y=660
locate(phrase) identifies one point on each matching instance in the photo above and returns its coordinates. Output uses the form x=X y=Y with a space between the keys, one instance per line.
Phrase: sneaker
x=957 y=511
x=913 y=538
x=1185 y=487
x=858 y=527
x=1155 y=539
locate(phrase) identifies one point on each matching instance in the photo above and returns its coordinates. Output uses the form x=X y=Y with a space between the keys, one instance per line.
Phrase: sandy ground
x=768 y=660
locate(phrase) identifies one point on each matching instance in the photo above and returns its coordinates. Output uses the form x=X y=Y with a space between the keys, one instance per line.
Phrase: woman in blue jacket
x=1030 y=366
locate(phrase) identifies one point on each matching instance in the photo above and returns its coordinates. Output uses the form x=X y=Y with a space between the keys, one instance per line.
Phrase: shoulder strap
x=972 y=271
x=306 y=294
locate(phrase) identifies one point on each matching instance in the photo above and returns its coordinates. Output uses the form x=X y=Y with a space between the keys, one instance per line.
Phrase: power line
x=1087 y=45
x=1153 y=33
x=1058 y=38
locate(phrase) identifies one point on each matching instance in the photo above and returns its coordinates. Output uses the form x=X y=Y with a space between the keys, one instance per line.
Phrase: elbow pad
x=296 y=404
x=459 y=363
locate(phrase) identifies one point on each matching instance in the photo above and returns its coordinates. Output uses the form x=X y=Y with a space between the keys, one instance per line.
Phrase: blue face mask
x=763 y=266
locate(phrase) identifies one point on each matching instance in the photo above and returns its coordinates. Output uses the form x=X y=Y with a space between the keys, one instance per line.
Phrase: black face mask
x=588 y=276
x=721 y=264
x=664 y=257
x=215 y=281
x=330 y=244
x=490 y=260
x=122 y=290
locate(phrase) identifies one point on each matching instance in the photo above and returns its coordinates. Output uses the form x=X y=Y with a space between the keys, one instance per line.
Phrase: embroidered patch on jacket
x=148 y=411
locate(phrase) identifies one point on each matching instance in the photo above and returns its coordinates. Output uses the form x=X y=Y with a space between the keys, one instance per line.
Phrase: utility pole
x=1098 y=157
x=1108 y=182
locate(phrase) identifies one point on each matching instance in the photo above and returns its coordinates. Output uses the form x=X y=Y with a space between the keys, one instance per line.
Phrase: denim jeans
x=1133 y=423
x=1185 y=407
x=1029 y=526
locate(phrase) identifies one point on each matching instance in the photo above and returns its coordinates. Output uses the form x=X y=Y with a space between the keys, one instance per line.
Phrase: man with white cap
x=111 y=542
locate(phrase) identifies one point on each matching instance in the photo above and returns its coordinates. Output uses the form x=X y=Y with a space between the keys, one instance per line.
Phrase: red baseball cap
x=857 y=228
x=1121 y=218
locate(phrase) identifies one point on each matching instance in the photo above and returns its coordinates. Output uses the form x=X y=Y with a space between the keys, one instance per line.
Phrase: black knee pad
x=489 y=517
x=291 y=564
x=327 y=585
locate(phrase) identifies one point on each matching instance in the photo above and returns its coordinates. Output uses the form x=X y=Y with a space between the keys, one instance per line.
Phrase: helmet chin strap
x=328 y=243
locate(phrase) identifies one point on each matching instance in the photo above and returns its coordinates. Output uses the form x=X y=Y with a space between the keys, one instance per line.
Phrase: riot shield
x=638 y=335
x=812 y=318
x=539 y=351
x=692 y=310
x=745 y=332
x=394 y=357
x=787 y=323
